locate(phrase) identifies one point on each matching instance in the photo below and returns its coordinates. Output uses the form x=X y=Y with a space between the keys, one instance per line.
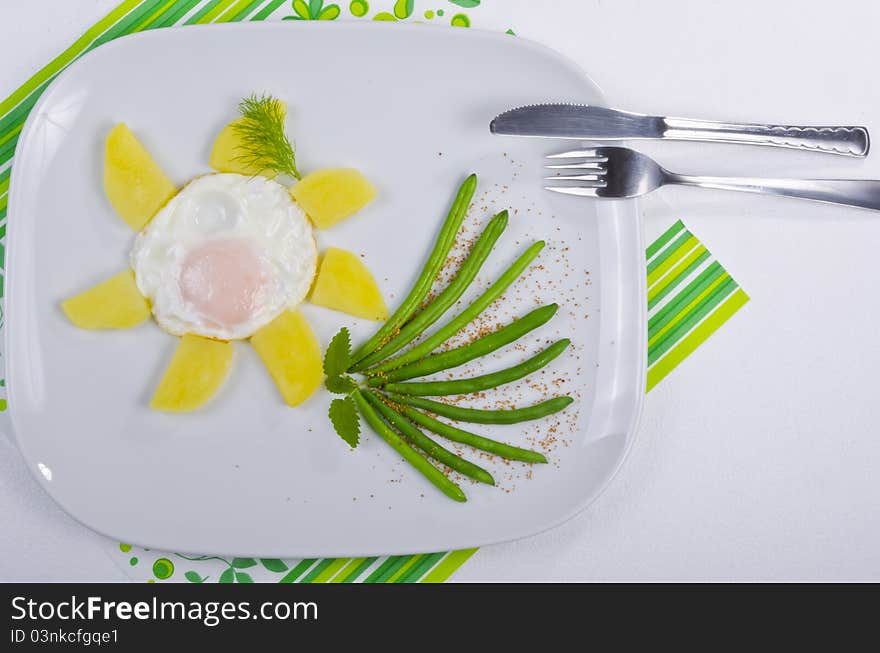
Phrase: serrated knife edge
x=570 y=120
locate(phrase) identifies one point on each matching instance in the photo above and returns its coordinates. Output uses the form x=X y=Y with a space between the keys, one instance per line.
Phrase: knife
x=601 y=123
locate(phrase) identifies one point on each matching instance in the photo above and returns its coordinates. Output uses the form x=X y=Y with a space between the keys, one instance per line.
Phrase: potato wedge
x=135 y=185
x=345 y=284
x=226 y=152
x=196 y=371
x=113 y=304
x=331 y=195
x=291 y=353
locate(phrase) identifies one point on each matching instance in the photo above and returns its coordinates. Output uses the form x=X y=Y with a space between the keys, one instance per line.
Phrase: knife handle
x=848 y=141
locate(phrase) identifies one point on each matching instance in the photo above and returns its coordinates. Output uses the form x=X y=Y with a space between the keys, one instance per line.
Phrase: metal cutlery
x=619 y=172
x=600 y=123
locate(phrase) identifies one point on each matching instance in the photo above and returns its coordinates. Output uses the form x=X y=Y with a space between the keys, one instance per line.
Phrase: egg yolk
x=224 y=280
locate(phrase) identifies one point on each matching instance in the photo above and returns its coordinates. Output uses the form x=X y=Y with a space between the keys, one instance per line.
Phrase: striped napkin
x=690 y=295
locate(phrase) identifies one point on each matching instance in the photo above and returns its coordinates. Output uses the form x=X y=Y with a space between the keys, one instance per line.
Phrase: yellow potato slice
x=195 y=373
x=113 y=304
x=226 y=152
x=331 y=195
x=135 y=185
x=345 y=284
x=292 y=355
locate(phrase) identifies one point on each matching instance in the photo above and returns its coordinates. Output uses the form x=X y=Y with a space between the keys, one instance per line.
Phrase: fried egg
x=225 y=256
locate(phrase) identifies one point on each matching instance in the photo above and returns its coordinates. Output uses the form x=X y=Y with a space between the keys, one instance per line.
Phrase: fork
x=619 y=172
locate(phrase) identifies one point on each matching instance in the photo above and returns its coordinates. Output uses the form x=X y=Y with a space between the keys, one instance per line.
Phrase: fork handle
x=849 y=141
x=864 y=193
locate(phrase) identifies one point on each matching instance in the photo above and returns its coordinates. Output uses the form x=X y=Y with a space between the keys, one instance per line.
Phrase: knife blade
x=590 y=122
x=576 y=121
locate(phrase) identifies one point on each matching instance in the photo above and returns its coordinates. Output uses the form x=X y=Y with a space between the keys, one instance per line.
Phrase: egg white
x=256 y=210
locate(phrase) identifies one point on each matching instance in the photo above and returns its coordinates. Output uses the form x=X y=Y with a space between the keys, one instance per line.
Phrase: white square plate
x=410 y=107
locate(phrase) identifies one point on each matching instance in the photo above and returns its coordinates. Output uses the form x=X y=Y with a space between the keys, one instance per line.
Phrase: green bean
x=483 y=382
x=432 y=312
x=472 y=439
x=467 y=315
x=409 y=431
x=480 y=416
x=423 y=284
x=409 y=454
x=461 y=355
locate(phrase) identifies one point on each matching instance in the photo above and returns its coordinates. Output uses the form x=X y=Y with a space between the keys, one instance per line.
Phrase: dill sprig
x=263 y=141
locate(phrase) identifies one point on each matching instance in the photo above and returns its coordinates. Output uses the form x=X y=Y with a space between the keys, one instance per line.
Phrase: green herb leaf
x=193 y=577
x=263 y=142
x=340 y=385
x=242 y=577
x=243 y=563
x=467 y=4
x=345 y=419
x=273 y=564
x=227 y=576
x=337 y=358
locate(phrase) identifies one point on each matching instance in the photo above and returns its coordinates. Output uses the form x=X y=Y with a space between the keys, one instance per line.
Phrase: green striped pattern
x=425 y=568
x=690 y=296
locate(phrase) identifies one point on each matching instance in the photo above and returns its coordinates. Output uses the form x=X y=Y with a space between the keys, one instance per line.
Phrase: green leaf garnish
x=344 y=416
x=264 y=144
x=340 y=385
x=337 y=358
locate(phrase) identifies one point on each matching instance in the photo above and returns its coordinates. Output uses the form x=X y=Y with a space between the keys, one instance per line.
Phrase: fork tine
x=576 y=178
x=573 y=154
x=597 y=164
x=580 y=191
